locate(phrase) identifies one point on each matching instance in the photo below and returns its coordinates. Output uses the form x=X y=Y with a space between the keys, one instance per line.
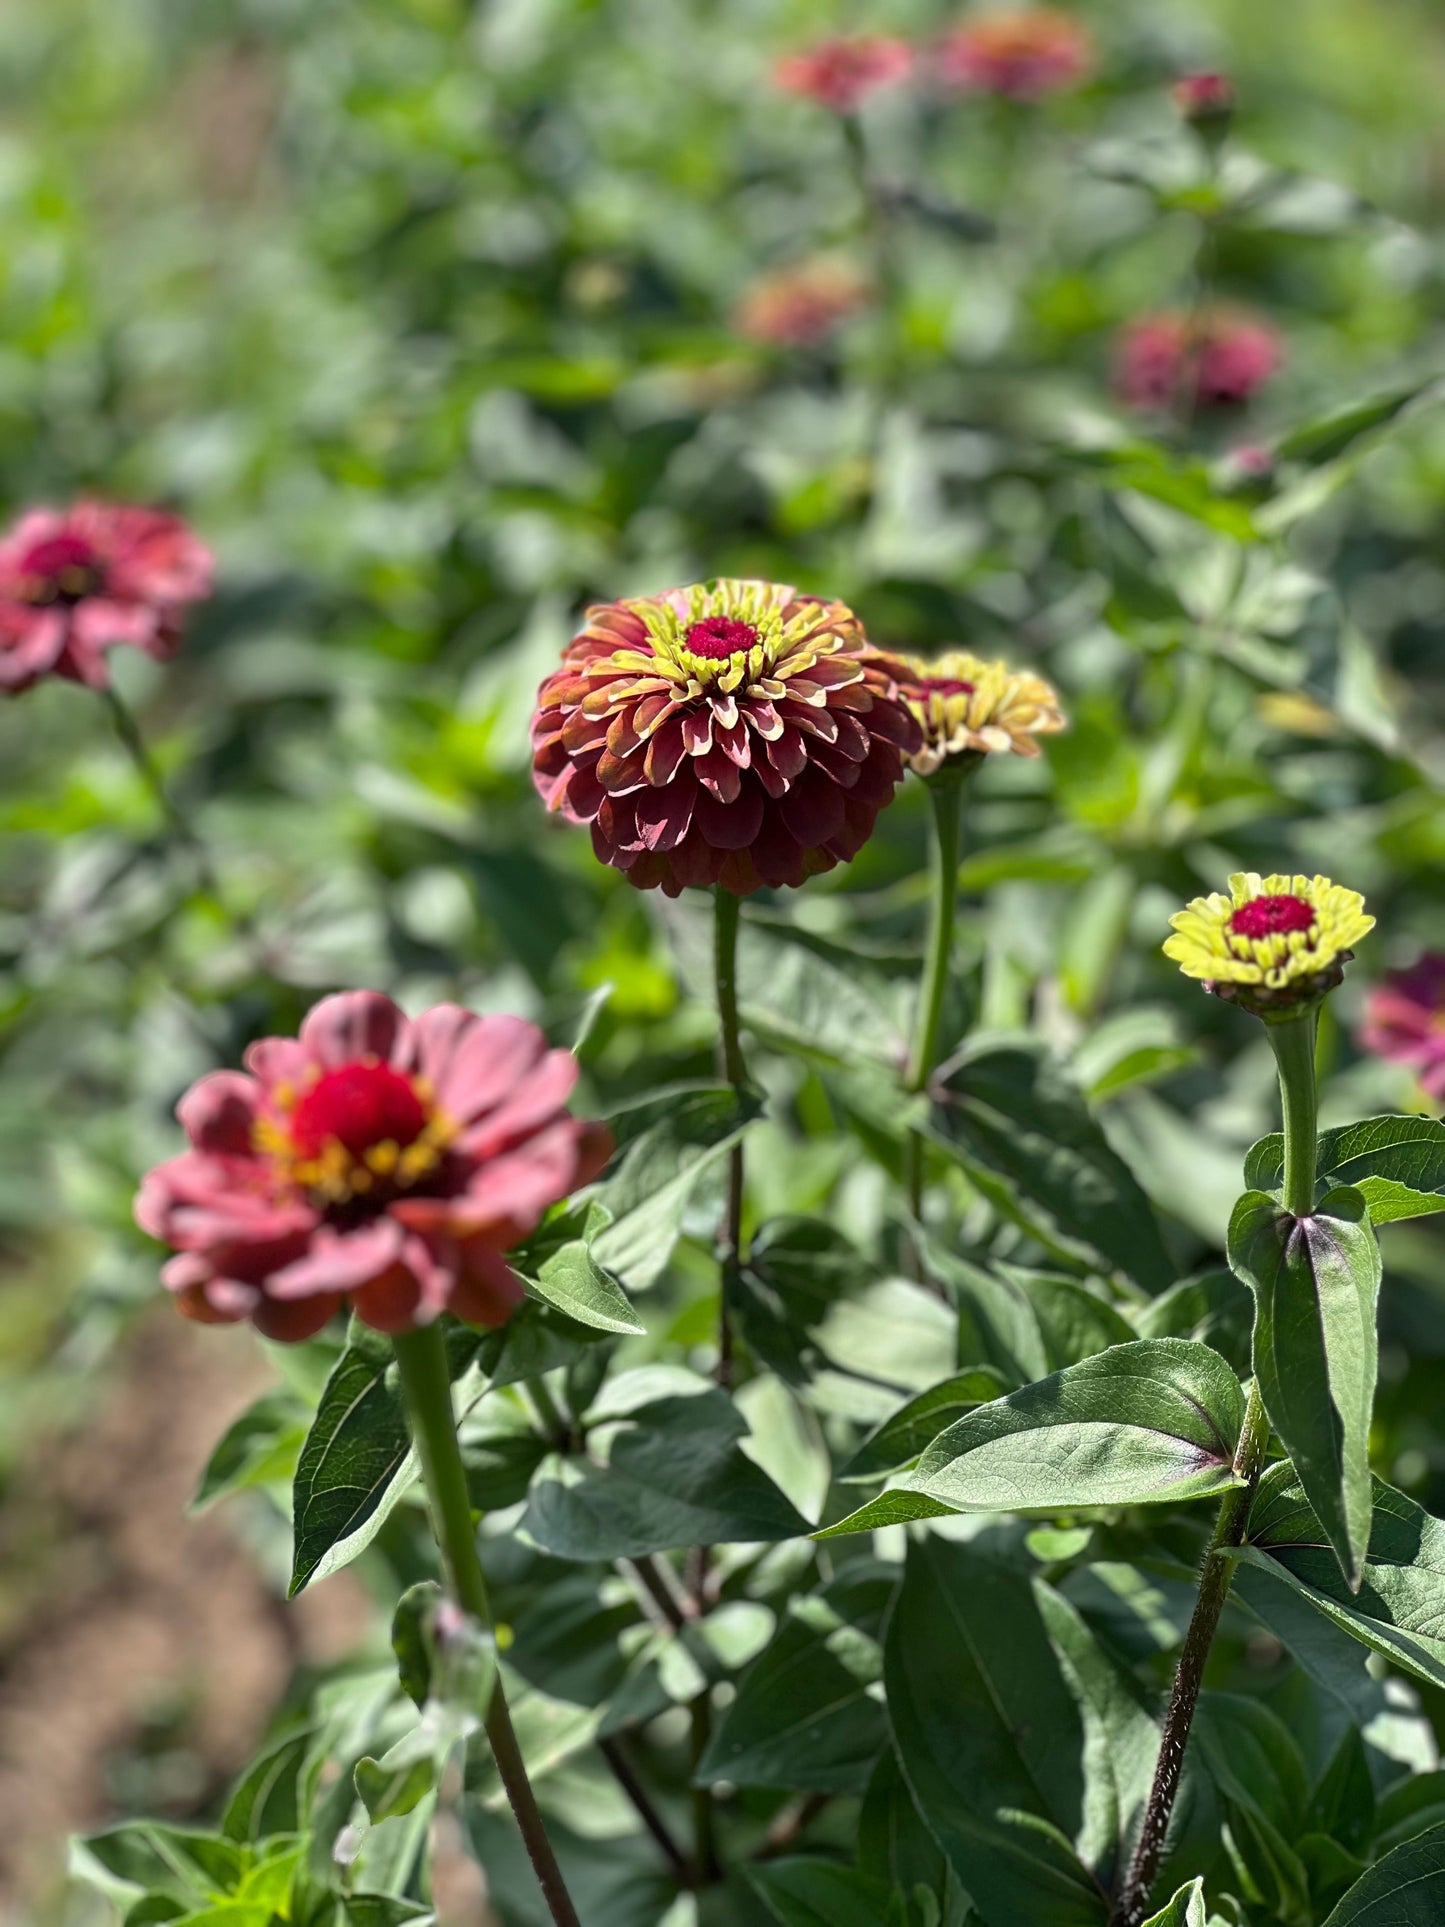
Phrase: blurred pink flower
x=842 y=72
x=378 y=1159
x=1404 y=1021
x=1223 y=357
x=1020 y=56
x=1204 y=99
x=76 y=582
x=799 y=307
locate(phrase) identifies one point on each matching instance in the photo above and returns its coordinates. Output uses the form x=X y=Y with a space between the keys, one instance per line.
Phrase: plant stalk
x=945 y=792
x=426 y=1385
x=725 y=963
x=1293 y=1042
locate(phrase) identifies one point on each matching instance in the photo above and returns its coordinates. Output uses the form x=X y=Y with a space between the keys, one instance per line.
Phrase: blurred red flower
x=1218 y=360
x=733 y=732
x=1404 y=1021
x=1204 y=99
x=842 y=72
x=799 y=307
x=375 y=1159
x=79 y=581
x=1019 y=56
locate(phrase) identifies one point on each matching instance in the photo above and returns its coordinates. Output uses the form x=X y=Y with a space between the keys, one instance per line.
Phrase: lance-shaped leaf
x=1405 y=1889
x=899 y=1440
x=1155 y=1420
x=1186 y=1909
x=1022 y=1131
x=666 y=1144
x=1396 y=1163
x=989 y=1737
x=573 y=1281
x=1399 y=1609
x=1316 y=1281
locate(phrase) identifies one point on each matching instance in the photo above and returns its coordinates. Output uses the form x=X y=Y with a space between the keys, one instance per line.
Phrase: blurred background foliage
x=424 y=312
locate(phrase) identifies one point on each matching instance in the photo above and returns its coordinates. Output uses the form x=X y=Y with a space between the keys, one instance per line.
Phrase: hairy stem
x=1214 y=1581
x=725 y=963
x=946 y=795
x=1293 y=1042
x=426 y=1385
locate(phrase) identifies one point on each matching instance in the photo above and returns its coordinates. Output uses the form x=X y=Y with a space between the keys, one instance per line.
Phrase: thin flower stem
x=1293 y=1042
x=627 y=1778
x=426 y=1385
x=725 y=955
x=945 y=793
x=706 y=1869
x=1214 y=1580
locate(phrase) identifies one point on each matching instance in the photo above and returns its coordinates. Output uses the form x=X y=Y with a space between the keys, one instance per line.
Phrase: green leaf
x=259 y=1448
x=1405 y=1889
x=267 y=1799
x=142 y=1856
x=666 y=1144
x=1215 y=1307
x=797 y=1269
x=1074 y=1322
x=1256 y=1766
x=575 y=1283
x=896 y=1847
x=1186 y=1909
x=807 y=1892
x=897 y=1507
x=804 y=1716
x=1396 y=1163
x=387 y=1790
x=672 y=1474
x=411 y=1638
x=989 y=1737
x=1315 y=1282
x=1330 y=436
x=1009 y=1115
x=1399 y=1608
x=1144 y=1423
x=356 y=1463
x=898 y=1440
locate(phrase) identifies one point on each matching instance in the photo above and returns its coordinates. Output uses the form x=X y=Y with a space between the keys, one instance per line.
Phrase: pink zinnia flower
x=800 y=307
x=1205 y=100
x=1405 y=1022
x=1219 y=361
x=377 y=1159
x=76 y=582
x=842 y=72
x=1018 y=56
x=734 y=732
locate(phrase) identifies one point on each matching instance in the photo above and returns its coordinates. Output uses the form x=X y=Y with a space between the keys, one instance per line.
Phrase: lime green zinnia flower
x=1274 y=943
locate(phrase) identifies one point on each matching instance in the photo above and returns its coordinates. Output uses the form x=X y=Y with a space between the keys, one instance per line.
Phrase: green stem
x=1214 y=1581
x=426 y=1386
x=946 y=795
x=725 y=959
x=1293 y=1042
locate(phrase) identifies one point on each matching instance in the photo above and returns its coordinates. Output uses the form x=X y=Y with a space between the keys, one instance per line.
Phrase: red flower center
x=61 y=568
x=948 y=685
x=1272 y=917
x=358 y=1106
x=717 y=637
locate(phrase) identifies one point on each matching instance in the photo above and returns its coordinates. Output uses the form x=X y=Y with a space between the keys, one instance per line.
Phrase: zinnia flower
x=77 y=582
x=733 y=732
x=968 y=707
x=1018 y=56
x=1218 y=362
x=842 y=72
x=1205 y=100
x=1274 y=943
x=376 y=1159
x=801 y=306
x=1405 y=1022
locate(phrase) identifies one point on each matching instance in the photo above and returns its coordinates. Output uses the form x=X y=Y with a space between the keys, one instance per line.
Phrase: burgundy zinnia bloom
x=1018 y=56
x=841 y=73
x=1223 y=359
x=1405 y=1022
x=77 y=582
x=378 y=1159
x=800 y=307
x=733 y=733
